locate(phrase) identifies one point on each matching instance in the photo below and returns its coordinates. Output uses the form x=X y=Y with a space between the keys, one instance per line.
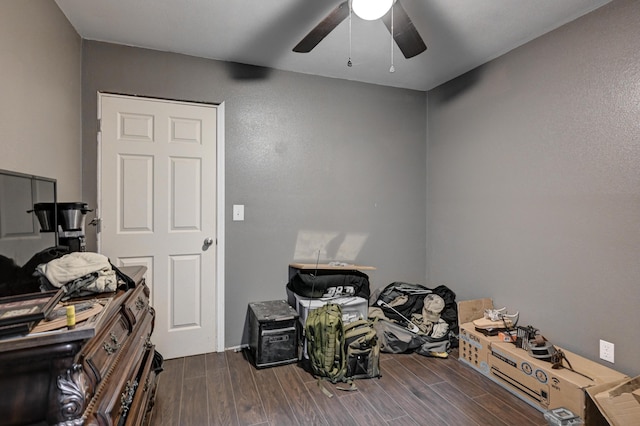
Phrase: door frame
x=220 y=201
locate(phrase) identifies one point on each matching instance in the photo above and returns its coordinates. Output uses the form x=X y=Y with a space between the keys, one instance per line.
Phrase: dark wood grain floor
x=225 y=389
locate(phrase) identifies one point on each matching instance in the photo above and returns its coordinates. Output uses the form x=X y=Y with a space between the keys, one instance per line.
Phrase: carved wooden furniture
x=103 y=372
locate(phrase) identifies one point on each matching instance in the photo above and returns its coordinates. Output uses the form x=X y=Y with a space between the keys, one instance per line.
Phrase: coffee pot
x=70 y=218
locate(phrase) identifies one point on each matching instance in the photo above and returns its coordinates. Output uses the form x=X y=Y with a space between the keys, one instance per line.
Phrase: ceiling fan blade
x=404 y=33
x=323 y=29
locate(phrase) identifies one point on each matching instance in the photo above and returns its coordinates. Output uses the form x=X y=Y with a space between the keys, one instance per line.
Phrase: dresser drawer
x=140 y=406
x=124 y=380
x=137 y=304
x=105 y=349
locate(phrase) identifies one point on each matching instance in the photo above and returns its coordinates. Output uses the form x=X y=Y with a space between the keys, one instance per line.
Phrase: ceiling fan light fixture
x=371 y=10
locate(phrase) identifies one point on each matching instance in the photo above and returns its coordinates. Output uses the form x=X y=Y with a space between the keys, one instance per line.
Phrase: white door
x=157 y=204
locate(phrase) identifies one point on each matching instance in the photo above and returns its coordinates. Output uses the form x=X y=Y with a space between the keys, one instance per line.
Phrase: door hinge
x=97 y=222
x=99 y=125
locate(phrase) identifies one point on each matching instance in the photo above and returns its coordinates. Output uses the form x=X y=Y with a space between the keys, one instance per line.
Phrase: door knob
x=207 y=243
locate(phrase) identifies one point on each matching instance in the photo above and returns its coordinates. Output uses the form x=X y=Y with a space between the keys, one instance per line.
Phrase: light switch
x=238 y=212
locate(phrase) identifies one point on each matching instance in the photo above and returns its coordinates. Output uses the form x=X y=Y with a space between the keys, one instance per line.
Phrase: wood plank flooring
x=225 y=389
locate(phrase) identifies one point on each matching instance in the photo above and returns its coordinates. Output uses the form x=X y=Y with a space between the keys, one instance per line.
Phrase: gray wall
x=532 y=172
x=304 y=154
x=40 y=103
x=534 y=183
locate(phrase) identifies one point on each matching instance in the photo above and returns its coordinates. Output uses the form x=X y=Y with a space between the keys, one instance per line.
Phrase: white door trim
x=220 y=210
x=220 y=227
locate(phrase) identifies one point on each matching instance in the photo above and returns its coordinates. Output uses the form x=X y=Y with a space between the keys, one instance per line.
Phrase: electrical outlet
x=607 y=350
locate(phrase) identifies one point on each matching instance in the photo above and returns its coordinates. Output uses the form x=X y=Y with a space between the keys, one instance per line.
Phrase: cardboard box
x=469 y=310
x=531 y=379
x=535 y=381
x=475 y=348
x=617 y=402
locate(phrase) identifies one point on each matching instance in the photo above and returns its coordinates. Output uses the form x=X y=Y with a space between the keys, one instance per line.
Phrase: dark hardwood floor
x=226 y=389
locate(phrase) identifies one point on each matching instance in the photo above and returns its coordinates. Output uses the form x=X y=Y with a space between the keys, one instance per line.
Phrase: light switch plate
x=238 y=212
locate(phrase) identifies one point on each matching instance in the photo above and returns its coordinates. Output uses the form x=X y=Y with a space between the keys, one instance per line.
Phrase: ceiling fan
x=404 y=32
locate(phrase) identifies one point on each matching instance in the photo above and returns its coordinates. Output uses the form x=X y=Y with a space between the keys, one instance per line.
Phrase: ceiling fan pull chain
x=349 y=63
x=392 y=69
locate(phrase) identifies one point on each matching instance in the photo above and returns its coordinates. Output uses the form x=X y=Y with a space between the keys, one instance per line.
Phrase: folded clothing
x=96 y=282
x=73 y=266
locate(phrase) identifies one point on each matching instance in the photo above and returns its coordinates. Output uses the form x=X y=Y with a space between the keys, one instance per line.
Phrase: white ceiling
x=459 y=34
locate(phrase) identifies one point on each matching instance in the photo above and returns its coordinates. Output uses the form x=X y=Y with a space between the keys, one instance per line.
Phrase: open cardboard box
x=618 y=402
x=469 y=310
x=531 y=379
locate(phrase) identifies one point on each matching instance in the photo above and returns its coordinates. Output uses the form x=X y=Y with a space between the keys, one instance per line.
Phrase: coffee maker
x=70 y=220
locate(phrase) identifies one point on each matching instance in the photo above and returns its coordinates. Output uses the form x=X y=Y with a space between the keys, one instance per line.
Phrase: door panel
x=185 y=308
x=135 y=203
x=157 y=205
x=185 y=194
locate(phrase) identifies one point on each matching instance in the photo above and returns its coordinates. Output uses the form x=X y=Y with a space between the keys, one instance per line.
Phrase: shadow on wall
x=458 y=86
x=239 y=71
x=322 y=246
x=438 y=30
x=277 y=38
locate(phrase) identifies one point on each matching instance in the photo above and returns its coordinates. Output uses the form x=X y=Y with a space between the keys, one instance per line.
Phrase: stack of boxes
x=531 y=379
x=353 y=307
x=275 y=327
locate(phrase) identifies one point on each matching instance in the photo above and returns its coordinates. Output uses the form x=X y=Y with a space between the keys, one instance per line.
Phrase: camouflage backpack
x=324 y=332
x=362 y=350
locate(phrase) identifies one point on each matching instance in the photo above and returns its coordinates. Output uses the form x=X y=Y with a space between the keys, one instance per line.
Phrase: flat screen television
x=21 y=236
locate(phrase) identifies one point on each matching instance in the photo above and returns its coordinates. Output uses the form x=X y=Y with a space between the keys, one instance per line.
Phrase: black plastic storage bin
x=273 y=333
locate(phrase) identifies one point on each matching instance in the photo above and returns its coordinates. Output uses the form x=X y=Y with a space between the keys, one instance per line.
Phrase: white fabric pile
x=80 y=272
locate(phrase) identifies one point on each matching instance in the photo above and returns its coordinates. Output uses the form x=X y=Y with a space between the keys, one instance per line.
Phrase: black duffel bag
x=330 y=283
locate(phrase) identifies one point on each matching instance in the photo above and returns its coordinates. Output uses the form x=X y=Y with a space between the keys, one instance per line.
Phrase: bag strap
x=352 y=386
x=355 y=324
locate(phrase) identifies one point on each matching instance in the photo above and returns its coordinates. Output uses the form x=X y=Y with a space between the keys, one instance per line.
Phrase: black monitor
x=21 y=234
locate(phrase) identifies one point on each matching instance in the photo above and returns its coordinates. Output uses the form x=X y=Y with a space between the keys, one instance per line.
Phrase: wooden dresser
x=103 y=372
